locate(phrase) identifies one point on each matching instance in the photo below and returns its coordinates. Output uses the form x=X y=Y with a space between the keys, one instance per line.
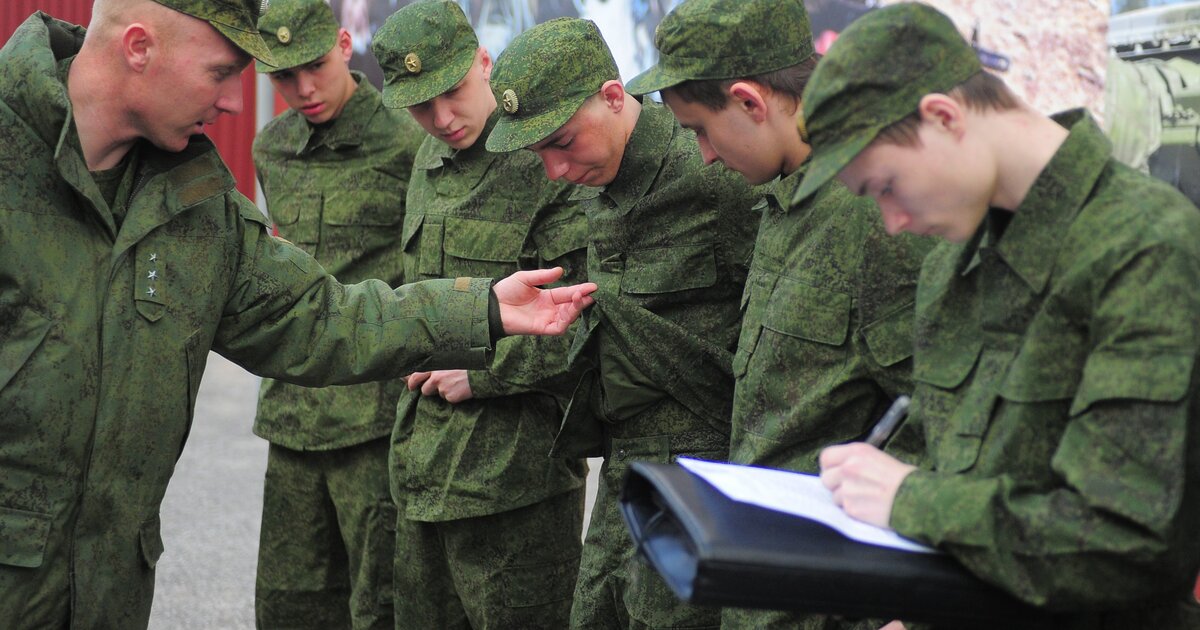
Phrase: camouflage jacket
x=104 y=334
x=827 y=330
x=337 y=191
x=1056 y=388
x=474 y=212
x=671 y=241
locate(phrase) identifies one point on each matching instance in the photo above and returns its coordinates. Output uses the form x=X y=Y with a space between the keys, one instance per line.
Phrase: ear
x=943 y=112
x=748 y=97
x=485 y=63
x=137 y=46
x=614 y=95
x=345 y=43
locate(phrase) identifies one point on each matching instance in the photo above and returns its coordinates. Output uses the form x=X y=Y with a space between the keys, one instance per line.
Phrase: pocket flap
x=801 y=310
x=368 y=207
x=670 y=269
x=23 y=537
x=21 y=332
x=1162 y=377
x=891 y=338
x=490 y=241
x=946 y=368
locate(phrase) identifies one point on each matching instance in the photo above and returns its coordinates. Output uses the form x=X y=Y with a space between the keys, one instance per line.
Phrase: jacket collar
x=644 y=156
x=347 y=130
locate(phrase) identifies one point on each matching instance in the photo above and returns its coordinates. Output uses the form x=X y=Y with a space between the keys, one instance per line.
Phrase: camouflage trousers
x=326 y=545
x=746 y=619
x=615 y=590
x=515 y=569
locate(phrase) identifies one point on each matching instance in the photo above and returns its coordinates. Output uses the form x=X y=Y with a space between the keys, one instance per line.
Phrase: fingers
x=535 y=277
x=415 y=379
x=570 y=294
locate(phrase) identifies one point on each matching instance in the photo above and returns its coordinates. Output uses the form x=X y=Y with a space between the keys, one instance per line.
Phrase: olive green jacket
x=671 y=241
x=1057 y=390
x=827 y=331
x=337 y=190
x=104 y=334
x=474 y=212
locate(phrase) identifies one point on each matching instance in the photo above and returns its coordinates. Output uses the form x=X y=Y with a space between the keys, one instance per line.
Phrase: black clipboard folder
x=714 y=551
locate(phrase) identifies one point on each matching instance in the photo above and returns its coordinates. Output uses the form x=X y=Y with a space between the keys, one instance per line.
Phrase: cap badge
x=283 y=35
x=511 y=102
x=413 y=63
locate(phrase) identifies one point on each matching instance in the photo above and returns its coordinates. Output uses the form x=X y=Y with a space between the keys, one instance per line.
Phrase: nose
x=706 y=150
x=556 y=167
x=305 y=86
x=442 y=114
x=230 y=100
x=895 y=219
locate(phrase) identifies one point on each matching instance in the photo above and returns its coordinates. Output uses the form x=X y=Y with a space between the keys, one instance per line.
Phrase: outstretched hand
x=527 y=310
x=864 y=480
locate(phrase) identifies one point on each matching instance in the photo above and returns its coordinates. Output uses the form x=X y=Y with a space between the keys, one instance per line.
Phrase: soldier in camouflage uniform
x=490 y=525
x=1056 y=332
x=334 y=169
x=670 y=243
x=126 y=255
x=827 y=330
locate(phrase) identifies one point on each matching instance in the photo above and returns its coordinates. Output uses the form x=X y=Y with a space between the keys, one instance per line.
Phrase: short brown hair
x=984 y=91
x=714 y=93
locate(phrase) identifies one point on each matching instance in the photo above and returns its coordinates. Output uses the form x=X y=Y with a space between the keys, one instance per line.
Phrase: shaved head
x=111 y=17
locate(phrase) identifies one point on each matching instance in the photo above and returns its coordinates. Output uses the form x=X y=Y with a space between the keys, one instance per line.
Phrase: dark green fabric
x=424 y=49
x=1057 y=389
x=874 y=75
x=726 y=39
x=512 y=569
x=543 y=77
x=826 y=340
x=327 y=540
x=99 y=374
x=338 y=191
x=297 y=32
x=670 y=245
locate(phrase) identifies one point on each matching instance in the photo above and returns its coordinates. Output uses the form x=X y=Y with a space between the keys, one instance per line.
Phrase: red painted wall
x=233 y=135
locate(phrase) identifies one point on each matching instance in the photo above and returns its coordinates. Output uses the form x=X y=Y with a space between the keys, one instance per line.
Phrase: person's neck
x=795 y=151
x=96 y=103
x=1023 y=143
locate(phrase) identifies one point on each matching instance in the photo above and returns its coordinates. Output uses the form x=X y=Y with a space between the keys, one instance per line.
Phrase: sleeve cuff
x=935 y=508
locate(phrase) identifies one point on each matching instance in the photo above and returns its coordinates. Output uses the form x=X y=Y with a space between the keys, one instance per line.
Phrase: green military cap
x=235 y=19
x=874 y=75
x=297 y=32
x=726 y=39
x=544 y=77
x=425 y=49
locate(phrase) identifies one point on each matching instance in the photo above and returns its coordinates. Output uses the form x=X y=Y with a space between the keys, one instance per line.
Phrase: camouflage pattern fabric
x=726 y=39
x=544 y=76
x=513 y=569
x=826 y=340
x=471 y=211
x=297 y=32
x=670 y=244
x=860 y=87
x=336 y=190
x=327 y=540
x=1056 y=385
x=107 y=329
x=235 y=19
x=424 y=49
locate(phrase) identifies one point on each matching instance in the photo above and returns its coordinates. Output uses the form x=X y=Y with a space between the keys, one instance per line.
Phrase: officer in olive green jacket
x=490 y=525
x=334 y=169
x=125 y=256
x=670 y=243
x=827 y=329
x=1056 y=334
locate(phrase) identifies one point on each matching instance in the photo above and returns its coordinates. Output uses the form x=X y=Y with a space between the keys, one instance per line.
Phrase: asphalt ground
x=213 y=509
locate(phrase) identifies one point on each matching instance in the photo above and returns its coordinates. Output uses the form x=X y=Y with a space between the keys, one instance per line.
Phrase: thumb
x=535 y=277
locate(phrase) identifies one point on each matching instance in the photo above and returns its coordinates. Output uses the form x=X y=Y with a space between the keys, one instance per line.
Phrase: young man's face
x=587 y=149
x=459 y=115
x=319 y=89
x=932 y=188
x=729 y=136
x=195 y=79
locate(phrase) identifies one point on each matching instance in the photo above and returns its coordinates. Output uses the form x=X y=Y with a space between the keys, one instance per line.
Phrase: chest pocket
x=670 y=269
x=297 y=216
x=468 y=247
x=954 y=408
x=371 y=200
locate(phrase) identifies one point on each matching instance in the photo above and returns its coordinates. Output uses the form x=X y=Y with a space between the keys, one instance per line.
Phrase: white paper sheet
x=794 y=493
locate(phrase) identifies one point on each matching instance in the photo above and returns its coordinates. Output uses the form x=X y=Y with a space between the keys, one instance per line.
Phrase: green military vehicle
x=1152 y=94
